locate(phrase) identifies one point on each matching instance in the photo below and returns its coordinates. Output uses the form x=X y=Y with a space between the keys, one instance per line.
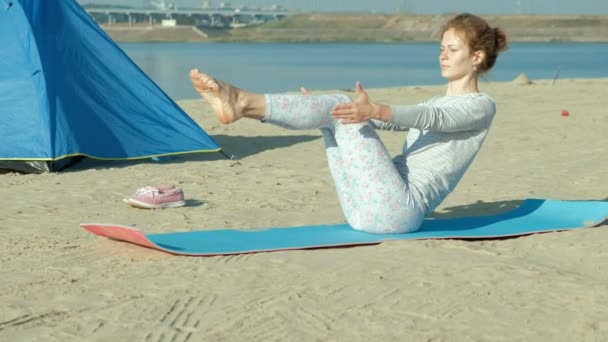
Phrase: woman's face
x=456 y=59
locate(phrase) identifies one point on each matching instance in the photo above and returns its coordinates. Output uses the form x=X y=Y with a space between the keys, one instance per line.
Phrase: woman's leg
x=340 y=175
x=290 y=111
x=302 y=111
x=381 y=200
x=373 y=196
x=228 y=102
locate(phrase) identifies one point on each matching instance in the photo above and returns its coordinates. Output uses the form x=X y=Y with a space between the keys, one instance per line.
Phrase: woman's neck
x=465 y=85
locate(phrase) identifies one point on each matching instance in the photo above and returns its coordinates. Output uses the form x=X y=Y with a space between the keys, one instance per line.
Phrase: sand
x=60 y=283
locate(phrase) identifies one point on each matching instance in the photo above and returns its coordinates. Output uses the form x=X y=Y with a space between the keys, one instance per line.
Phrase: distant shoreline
x=351 y=28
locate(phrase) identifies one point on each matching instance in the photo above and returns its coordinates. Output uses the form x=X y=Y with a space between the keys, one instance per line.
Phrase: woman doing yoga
x=377 y=193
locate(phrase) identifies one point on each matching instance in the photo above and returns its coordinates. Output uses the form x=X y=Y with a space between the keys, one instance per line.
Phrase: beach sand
x=61 y=283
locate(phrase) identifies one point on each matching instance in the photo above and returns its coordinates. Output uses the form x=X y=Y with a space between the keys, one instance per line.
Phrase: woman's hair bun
x=501 y=39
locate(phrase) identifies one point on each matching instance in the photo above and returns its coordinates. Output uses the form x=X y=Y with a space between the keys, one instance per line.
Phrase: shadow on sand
x=481 y=208
x=193 y=203
x=243 y=147
x=237 y=146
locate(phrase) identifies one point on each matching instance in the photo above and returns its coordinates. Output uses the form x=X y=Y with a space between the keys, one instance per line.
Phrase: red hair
x=479 y=36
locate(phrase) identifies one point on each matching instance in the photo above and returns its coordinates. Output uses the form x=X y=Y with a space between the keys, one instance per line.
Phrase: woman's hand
x=360 y=110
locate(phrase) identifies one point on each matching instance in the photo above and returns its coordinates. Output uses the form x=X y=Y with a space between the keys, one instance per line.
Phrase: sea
x=284 y=67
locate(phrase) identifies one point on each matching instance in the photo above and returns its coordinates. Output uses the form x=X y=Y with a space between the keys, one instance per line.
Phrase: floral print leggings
x=374 y=196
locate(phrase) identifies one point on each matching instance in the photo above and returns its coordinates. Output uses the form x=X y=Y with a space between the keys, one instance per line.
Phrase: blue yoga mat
x=532 y=216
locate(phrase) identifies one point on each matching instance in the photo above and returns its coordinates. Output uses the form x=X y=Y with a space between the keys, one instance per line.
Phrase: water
x=285 y=67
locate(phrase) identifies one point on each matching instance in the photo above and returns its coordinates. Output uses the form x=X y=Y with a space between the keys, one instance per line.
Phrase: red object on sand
x=565 y=112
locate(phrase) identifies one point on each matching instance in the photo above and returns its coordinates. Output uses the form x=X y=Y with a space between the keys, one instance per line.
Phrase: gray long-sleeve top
x=444 y=135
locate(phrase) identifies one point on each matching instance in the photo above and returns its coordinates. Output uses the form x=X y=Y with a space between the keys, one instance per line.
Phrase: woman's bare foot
x=222 y=97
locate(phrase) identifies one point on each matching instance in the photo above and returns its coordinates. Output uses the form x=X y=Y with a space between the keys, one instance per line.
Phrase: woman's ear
x=479 y=57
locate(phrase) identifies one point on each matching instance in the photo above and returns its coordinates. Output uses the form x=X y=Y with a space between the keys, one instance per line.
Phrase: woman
x=379 y=194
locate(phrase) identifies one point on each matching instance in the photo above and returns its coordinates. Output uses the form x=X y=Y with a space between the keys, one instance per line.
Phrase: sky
x=572 y=7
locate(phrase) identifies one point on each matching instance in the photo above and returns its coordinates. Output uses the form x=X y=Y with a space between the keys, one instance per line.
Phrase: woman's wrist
x=381 y=112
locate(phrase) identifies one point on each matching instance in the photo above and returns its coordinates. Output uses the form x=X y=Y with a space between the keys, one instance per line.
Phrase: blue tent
x=66 y=89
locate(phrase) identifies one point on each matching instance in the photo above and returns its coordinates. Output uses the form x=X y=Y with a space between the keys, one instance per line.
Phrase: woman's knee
x=342 y=98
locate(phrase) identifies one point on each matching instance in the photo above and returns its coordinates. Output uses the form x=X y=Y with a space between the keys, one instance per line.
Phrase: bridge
x=218 y=17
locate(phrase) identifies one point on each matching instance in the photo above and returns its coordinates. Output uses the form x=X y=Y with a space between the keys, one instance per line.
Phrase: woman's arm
x=464 y=115
x=380 y=118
